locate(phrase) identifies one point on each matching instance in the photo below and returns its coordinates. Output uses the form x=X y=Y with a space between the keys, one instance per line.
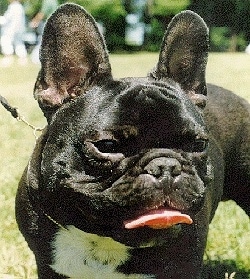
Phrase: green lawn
x=228 y=248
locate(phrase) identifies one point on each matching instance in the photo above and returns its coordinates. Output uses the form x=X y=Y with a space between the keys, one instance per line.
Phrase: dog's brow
x=125 y=131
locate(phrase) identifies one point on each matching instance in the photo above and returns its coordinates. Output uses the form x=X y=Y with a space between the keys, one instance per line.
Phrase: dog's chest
x=87 y=256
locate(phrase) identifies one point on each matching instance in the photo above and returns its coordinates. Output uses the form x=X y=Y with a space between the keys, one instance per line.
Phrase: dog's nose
x=163 y=166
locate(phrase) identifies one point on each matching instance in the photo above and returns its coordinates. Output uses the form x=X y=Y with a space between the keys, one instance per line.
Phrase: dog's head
x=117 y=149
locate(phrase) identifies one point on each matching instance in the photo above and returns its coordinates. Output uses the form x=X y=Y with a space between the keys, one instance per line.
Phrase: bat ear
x=73 y=58
x=183 y=55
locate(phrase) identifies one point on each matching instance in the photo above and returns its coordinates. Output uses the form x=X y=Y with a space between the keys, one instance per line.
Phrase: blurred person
x=247 y=50
x=38 y=22
x=13 y=27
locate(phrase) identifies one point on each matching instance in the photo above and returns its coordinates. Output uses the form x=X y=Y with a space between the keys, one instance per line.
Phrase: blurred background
x=140 y=24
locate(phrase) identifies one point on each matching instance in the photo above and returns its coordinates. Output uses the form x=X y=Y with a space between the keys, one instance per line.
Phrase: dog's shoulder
x=227 y=115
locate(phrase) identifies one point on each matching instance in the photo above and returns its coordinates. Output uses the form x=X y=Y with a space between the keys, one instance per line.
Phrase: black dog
x=128 y=174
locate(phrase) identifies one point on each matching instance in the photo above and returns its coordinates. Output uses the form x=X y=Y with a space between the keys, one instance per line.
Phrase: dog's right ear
x=73 y=58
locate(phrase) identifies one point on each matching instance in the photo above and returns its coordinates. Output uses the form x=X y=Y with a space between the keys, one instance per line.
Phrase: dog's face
x=117 y=149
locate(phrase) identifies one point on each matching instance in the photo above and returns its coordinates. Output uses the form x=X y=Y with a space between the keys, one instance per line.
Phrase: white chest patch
x=81 y=255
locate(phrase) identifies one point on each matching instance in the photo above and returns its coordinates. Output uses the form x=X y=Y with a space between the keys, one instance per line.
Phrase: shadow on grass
x=218 y=269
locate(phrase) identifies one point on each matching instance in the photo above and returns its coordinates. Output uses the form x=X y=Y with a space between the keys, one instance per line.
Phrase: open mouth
x=161 y=218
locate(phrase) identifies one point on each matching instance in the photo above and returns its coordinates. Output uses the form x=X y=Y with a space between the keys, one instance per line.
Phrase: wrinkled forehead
x=135 y=102
x=135 y=91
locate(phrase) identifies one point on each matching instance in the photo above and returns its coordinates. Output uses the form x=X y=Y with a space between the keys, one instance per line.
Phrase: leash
x=15 y=113
x=8 y=107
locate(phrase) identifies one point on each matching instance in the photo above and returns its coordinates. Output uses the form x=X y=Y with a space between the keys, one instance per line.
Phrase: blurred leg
x=20 y=49
x=7 y=50
x=7 y=44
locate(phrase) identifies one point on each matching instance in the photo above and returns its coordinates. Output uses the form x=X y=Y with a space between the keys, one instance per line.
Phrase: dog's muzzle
x=161 y=177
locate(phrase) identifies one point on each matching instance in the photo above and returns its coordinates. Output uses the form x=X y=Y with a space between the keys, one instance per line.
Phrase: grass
x=229 y=238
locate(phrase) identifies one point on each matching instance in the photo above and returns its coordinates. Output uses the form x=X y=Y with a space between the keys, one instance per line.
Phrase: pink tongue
x=159 y=219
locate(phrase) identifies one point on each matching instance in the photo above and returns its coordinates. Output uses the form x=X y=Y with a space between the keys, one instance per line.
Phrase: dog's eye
x=106 y=146
x=199 y=145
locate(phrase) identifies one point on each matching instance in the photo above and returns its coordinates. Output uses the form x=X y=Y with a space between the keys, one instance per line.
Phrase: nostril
x=62 y=163
x=153 y=169
x=176 y=170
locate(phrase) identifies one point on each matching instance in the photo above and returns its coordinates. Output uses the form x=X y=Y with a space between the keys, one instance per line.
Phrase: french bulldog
x=128 y=173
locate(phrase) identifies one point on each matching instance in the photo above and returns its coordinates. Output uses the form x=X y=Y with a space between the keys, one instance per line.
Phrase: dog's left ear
x=183 y=55
x=73 y=57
